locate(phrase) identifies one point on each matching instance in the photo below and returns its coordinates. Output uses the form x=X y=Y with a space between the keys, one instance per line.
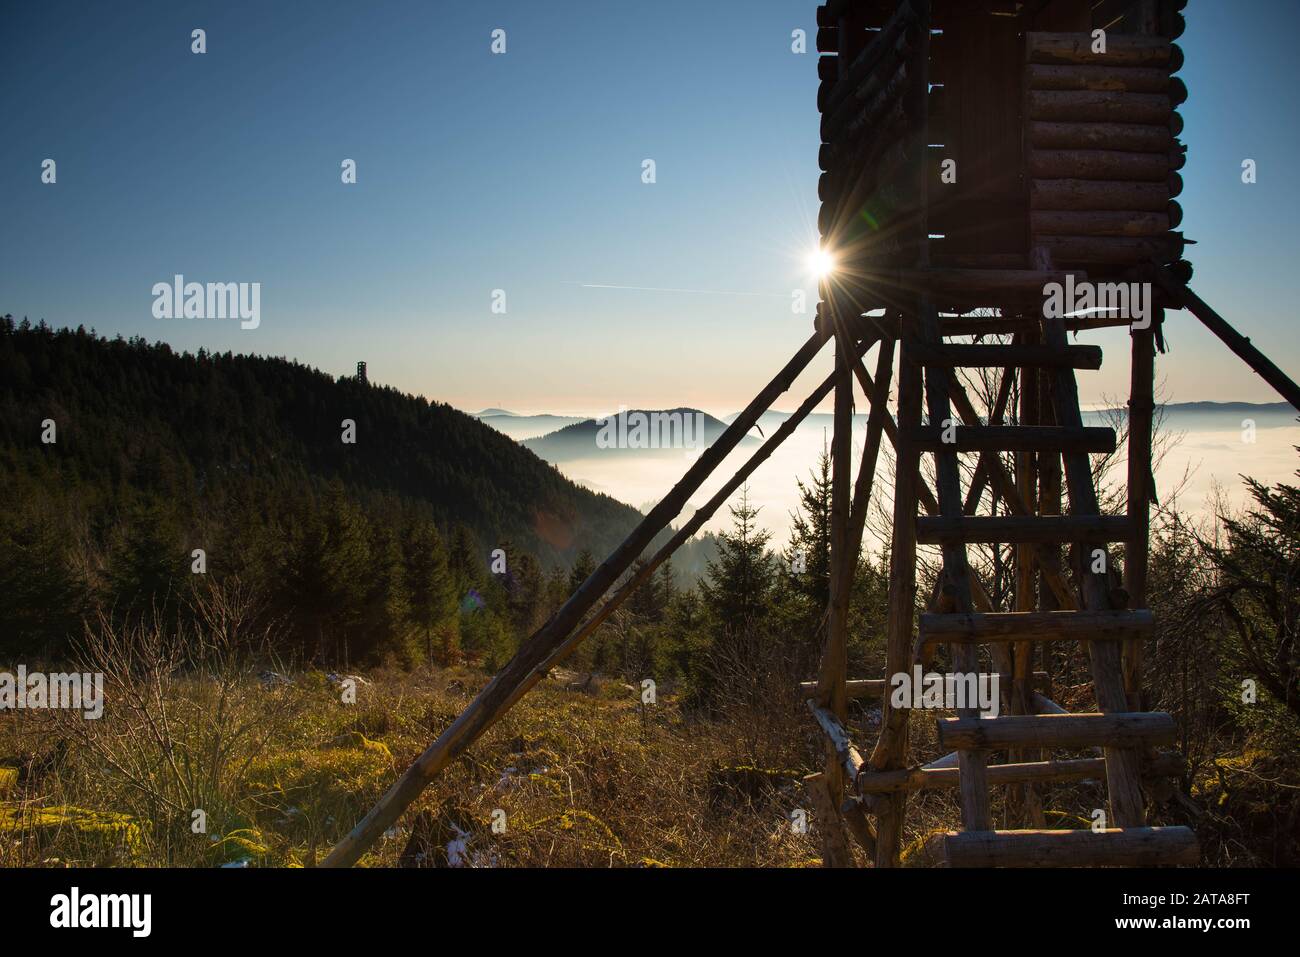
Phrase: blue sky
x=523 y=172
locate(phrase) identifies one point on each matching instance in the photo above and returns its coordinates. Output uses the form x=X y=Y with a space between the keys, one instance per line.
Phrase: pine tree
x=525 y=590
x=148 y=569
x=739 y=587
x=808 y=557
x=325 y=573
x=647 y=602
x=385 y=630
x=583 y=566
x=465 y=562
x=42 y=596
x=433 y=592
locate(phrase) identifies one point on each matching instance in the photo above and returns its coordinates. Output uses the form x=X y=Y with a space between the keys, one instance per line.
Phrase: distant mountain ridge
x=633 y=432
x=520 y=427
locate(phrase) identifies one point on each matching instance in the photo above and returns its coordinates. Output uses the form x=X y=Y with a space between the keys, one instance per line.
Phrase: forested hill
x=136 y=420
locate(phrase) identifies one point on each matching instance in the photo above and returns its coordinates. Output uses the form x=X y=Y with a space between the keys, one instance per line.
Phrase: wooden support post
x=1122 y=771
x=834 y=668
x=826 y=818
x=876 y=420
x=891 y=747
x=956 y=574
x=1024 y=800
x=1234 y=340
x=1141 y=409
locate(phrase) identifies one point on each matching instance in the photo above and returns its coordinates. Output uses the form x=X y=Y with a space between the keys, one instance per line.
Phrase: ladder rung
x=1072 y=769
x=1015 y=438
x=980 y=627
x=1129 y=846
x=964 y=326
x=982 y=355
x=1117 y=729
x=875 y=687
x=1013 y=529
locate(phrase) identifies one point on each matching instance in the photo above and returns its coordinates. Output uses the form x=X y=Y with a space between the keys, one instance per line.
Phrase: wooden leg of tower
x=1122 y=764
x=1141 y=408
x=891 y=749
x=826 y=818
x=956 y=577
x=1028 y=804
x=834 y=673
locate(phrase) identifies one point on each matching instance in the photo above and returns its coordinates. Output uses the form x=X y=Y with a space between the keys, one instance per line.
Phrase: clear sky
x=523 y=172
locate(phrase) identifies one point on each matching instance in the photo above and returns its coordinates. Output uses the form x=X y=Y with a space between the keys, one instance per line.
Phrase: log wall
x=1101 y=138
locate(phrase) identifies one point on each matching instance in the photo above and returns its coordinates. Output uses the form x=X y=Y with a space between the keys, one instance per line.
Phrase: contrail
x=701 y=292
x=1088 y=312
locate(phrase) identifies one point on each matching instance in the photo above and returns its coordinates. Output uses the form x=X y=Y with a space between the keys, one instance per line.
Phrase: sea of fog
x=1204 y=458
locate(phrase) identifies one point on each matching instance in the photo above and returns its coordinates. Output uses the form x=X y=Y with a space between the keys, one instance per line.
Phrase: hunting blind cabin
x=978 y=156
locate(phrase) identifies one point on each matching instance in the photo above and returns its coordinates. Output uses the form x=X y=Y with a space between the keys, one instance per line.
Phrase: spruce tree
x=432 y=592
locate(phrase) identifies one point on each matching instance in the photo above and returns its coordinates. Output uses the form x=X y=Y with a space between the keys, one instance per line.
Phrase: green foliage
x=158 y=453
x=741 y=584
x=99 y=838
x=42 y=592
x=1259 y=594
x=433 y=606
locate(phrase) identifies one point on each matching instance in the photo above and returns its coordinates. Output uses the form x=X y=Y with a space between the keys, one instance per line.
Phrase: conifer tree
x=432 y=592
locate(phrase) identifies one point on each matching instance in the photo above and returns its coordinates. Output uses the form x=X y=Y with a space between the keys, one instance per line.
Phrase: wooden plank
x=1080 y=194
x=1113 y=165
x=1013 y=529
x=1128 y=137
x=1131 y=847
x=1102 y=79
x=1116 y=729
x=1076 y=48
x=1072 y=769
x=1113 y=250
x=999 y=326
x=1010 y=282
x=979 y=355
x=1015 y=438
x=875 y=687
x=1111 y=624
x=1088 y=106
x=1098 y=223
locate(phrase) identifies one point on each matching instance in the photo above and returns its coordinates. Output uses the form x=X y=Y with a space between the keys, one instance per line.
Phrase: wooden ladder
x=1099 y=620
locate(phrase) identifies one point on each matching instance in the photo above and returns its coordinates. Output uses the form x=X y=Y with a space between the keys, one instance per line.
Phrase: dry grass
x=577 y=779
x=569 y=778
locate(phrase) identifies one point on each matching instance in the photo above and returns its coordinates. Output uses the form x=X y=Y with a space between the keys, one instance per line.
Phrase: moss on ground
x=96 y=838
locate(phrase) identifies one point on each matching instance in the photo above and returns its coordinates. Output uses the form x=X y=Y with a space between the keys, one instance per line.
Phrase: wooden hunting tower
x=994 y=134
x=976 y=154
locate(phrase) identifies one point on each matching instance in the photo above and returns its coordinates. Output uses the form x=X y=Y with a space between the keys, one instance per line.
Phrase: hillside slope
x=140 y=418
